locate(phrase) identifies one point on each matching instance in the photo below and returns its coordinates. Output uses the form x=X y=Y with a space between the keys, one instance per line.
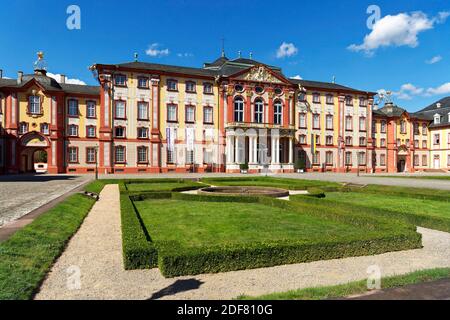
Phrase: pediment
x=261 y=74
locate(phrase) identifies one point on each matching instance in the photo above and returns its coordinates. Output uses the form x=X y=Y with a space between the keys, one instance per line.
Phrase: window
x=362 y=102
x=348 y=141
x=91 y=155
x=349 y=101
x=45 y=128
x=362 y=141
x=424 y=144
x=316 y=158
x=73 y=108
x=424 y=129
x=120 y=80
x=329 y=122
x=329 y=99
x=383 y=143
x=142 y=133
x=207 y=156
x=90 y=132
x=170 y=156
x=172 y=115
x=348 y=158
x=34 y=105
x=382 y=159
x=142 y=154
x=383 y=126
x=362 y=158
x=302 y=139
x=348 y=123
x=278 y=91
x=207 y=88
x=142 y=83
x=189 y=156
x=119 y=109
x=239 y=109
x=437 y=119
x=416 y=144
x=362 y=124
x=316 y=98
x=73 y=130
x=302 y=120
x=239 y=88
x=259 y=111
x=416 y=128
x=172 y=85
x=398 y=142
x=374 y=126
x=190 y=86
x=329 y=158
x=190 y=114
x=208 y=115
x=403 y=127
x=259 y=89
x=329 y=140
x=142 y=110
x=119 y=154
x=278 y=113
x=317 y=139
x=72 y=154
x=90 y=109
x=416 y=160
x=424 y=160
x=316 y=121
x=302 y=97
x=23 y=128
x=437 y=139
x=119 y=132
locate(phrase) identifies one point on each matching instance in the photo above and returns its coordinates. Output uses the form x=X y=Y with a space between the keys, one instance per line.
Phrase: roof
x=168 y=68
x=326 y=86
x=390 y=110
x=430 y=111
x=50 y=84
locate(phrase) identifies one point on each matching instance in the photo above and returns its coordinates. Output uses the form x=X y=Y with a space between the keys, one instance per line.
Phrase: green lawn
x=27 y=256
x=290 y=184
x=222 y=223
x=442 y=177
x=354 y=288
x=394 y=203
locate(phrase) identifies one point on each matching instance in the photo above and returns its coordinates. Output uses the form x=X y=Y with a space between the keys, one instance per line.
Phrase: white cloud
x=57 y=77
x=297 y=77
x=434 y=60
x=286 y=50
x=398 y=30
x=443 y=89
x=154 y=50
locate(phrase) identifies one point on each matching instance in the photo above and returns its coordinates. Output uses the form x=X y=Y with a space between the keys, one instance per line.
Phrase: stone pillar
x=250 y=149
x=236 y=149
x=272 y=150
x=255 y=149
x=277 y=148
x=291 y=151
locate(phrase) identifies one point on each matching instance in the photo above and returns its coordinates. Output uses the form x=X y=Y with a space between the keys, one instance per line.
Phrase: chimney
x=438 y=105
x=1 y=73
x=19 y=77
x=63 y=79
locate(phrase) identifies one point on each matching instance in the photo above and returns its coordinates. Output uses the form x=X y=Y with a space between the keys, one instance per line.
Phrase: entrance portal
x=33 y=154
x=401 y=164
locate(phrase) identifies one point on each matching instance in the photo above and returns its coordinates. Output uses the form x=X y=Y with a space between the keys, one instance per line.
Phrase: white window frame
x=278 y=113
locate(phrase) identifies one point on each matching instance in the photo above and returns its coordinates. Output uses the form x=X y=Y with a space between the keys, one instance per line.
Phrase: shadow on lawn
x=177 y=286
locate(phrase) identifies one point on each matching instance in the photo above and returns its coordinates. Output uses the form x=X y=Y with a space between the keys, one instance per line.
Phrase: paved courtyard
x=21 y=194
x=92 y=267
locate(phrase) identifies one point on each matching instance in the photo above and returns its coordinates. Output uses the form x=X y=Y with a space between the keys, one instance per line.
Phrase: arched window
x=239 y=109
x=277 y=112
x=259 y=111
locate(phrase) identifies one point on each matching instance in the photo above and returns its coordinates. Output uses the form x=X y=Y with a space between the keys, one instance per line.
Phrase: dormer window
x=302 y=97
x=437 y=119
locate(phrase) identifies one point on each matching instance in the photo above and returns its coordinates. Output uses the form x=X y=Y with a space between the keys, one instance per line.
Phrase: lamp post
x=96 y=162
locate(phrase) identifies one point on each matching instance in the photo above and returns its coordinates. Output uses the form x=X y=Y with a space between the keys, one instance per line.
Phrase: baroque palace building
x=151 y=118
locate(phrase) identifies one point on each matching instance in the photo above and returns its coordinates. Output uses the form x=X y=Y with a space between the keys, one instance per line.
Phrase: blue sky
x=317 y=36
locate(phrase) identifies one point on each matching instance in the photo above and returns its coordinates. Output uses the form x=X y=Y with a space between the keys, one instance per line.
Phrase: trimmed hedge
x=175 y=260
x=417 y=193
x=138 y=250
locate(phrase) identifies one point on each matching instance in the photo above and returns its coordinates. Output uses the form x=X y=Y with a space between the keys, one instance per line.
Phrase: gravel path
x=96 y=251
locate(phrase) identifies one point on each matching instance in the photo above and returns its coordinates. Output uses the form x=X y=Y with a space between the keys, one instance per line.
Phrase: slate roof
x=326 y=86
x=50 y=84
x=430 y=111
x=168 y=68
